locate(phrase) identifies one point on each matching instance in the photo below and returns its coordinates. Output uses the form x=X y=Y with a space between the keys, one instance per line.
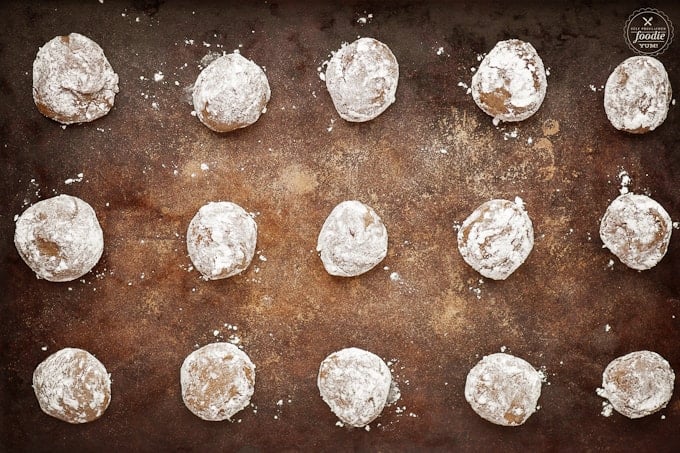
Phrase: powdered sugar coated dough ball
x=638 y=384
x=59 y=238
x=73 y=81
x=496 y=238
x=217 y=381
x=637 y=95
x=510 y=83
x=353 y=240
x=230 y=93
x=72 y=385
x=503 y=389
x=221 y=240
x=362 y=79
x=355 y=384
x=637 y=230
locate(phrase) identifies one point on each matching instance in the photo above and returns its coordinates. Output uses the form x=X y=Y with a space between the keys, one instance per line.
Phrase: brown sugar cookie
x=73 y=81
x=72 y=385
x=217 y=381
x=59 y=238
x=355 y=384
x=352 y=240
x=221 y=240
x=637 y=230
x=503 y=389
x=637 y=95
x=510 y=83
x=230 y=93
x=638 y=384
x=496 y=238
x=362 y=79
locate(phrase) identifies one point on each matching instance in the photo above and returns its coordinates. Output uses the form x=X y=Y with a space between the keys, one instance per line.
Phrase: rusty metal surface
x=141 y=311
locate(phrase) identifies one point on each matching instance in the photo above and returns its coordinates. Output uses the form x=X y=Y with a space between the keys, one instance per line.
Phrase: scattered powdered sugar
x=78 y=178
x=465 y=86
x=367 y=18
x=625 y=181
x=158 y=76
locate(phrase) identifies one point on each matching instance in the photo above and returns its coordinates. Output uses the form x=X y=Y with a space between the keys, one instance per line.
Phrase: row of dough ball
x=73 y=82
x=60 y=238
x=218 y=380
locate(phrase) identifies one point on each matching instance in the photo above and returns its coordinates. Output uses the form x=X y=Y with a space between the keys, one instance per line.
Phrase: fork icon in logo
x=648 y=20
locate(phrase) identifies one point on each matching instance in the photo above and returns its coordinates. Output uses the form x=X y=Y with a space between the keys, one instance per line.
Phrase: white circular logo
x=648 y=31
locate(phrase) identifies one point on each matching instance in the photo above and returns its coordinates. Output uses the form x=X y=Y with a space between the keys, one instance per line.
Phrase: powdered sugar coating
x=355 y=384
x=217 y=381
x=59 y=238
x=362 y=79
x=637 y=230
x=496 y=238
x=510 y=83
x=72 y=385
x=637 y=95
x=221 y=240
x=503 y=389
x=230 y=93
x=73 y=81
x=638 y=384
x=353 y=239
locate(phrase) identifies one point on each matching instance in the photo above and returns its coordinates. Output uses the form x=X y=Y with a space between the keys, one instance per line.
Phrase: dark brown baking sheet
x=423 y=165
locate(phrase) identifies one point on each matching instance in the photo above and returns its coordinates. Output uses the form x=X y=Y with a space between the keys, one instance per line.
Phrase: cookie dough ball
x=503 y=389
x=59 y=238
x=73 y=81
x=637 y=95
x=637 y=230
x=230 y=93
x=221 y=240
x=217 y=381
x=638 y=384
x=353 y=240
x=72 y=385
x=355 y=384
x=496 y=238
x=510 y=83
x=362 y=79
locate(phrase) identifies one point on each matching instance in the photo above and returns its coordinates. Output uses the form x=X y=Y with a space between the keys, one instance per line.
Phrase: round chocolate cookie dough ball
x=230 y=93
x=217 y=381
x=73 y=81
x=510 y=83
x=353 y=240
x=355 y=384
x=221 y=240
x=638 y=384
x=72 y=385
x=637 y=230
x=496 y=238
x=637 y=95
x=362 y=79
x=59 y=238
x=503 y=389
